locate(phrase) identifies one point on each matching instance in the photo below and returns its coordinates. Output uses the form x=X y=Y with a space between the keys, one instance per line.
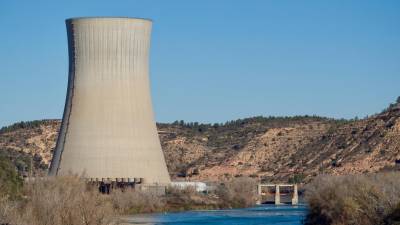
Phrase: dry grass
x=7 y=211
x=353 y=200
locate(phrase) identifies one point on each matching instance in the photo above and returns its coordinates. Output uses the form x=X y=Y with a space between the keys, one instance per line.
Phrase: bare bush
x=352 y=200
x=60 y=201
x=188 y=198
x=240 y=192
x=136 y=201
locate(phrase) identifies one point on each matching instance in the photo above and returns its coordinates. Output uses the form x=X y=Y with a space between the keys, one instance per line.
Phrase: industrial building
x=108 y=130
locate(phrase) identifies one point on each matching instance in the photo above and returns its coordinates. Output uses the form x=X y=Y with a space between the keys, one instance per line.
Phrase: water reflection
x=261 y=215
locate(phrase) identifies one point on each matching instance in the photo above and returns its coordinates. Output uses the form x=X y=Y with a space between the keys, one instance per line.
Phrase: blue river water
x=260 y=215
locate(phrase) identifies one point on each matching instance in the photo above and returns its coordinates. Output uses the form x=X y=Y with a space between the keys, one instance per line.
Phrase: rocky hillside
x=274 y=148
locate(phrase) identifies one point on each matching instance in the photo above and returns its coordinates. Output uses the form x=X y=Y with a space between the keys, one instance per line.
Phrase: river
x=260 y=215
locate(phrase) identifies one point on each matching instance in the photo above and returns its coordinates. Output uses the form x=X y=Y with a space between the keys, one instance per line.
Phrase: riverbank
x=70 y=200
x=372 y=199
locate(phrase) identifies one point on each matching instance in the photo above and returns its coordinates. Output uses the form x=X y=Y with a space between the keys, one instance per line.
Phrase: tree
x=10 y=181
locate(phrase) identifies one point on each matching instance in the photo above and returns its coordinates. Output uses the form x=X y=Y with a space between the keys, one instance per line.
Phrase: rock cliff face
x=272 y=149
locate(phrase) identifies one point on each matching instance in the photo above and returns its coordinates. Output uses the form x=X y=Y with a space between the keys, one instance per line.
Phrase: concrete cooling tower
x=108 y=130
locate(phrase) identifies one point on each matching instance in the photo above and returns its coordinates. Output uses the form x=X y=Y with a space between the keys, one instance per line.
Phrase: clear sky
x=213 y=61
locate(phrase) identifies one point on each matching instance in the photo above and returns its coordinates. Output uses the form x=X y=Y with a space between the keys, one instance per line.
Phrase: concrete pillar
x=259 y=191
x=277 y=195
x=295 y=199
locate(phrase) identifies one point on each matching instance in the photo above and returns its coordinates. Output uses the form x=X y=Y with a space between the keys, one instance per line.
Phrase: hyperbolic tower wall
x=108 y=129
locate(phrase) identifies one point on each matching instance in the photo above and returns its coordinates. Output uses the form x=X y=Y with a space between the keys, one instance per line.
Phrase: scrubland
x=372 y=199
x=71 y=201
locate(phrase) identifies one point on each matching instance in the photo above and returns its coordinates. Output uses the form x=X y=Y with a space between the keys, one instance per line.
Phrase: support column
x=295 y=199
x=277 y=195
x=259 y=191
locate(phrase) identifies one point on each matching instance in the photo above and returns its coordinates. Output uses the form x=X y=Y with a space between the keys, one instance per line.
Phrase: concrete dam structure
x=108 y=129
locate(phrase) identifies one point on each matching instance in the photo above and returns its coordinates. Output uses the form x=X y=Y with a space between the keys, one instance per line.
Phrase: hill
x=270 y=148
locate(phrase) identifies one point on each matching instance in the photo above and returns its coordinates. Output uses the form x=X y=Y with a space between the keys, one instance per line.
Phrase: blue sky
x=213 y=61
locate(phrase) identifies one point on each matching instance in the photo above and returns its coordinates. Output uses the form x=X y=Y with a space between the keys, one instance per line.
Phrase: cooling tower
x=108 y=129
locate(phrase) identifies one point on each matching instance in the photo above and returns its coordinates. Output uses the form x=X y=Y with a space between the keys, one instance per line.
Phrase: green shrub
x=10 y=181
x=296 y=178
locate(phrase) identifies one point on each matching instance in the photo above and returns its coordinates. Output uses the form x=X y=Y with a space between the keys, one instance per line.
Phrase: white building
x=198 y=186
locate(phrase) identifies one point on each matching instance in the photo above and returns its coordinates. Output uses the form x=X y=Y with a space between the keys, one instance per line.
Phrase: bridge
x=266 y=191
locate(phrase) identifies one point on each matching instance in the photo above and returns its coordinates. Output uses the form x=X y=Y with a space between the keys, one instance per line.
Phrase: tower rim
x=107 y=18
